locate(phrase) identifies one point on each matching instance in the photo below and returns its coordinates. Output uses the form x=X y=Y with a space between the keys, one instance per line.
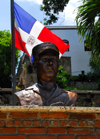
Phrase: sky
x=66 y=18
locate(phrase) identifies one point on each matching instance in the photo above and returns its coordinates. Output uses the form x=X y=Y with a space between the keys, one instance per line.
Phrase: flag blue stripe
x=24 y=20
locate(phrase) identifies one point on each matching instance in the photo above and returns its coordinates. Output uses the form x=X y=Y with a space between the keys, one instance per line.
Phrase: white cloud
x=32 y=1
x=67 y=17
x=69 y=13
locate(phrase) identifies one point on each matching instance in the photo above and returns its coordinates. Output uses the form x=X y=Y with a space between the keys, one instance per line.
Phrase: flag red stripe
x=19 y=43
x=47 y=36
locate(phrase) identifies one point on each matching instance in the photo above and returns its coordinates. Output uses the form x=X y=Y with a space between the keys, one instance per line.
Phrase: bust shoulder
x=26 y=96
x=72 y=96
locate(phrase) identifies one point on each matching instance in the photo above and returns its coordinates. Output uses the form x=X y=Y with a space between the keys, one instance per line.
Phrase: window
x=67 y=42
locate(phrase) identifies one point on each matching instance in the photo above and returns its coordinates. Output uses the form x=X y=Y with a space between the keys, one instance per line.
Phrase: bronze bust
x=46 y=92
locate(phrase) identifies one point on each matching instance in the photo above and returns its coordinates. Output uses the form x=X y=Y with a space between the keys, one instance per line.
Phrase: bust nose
x=50 y=62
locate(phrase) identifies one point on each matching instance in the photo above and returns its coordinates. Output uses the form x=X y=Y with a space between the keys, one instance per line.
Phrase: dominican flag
x=29 y=32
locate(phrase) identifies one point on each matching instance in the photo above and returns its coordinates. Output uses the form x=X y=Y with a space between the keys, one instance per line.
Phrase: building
x=79 y=55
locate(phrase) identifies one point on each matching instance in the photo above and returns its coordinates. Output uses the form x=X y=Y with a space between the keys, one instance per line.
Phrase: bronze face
x=47 y=67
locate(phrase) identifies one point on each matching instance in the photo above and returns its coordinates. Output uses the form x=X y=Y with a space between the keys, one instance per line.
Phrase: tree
x=52 y=7
x=6 y=58
x=88 y=24
x=95 y=70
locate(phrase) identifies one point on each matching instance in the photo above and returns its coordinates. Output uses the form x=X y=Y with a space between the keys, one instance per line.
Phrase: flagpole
x=13 y=51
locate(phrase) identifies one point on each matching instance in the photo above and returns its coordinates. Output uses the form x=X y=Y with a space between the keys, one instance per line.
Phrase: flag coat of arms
x=29 y=32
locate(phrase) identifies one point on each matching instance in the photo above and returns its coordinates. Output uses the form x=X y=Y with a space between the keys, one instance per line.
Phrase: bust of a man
x=46 y=92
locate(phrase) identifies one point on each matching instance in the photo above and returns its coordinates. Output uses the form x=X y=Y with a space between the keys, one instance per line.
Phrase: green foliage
x=98 y=87
x=88 y=24
x=82 y=88
x=80 y=78
x=24 y=66
x=95 y=69
x=52 y=7
x=90 y=77
x=5 y=58
x=95 y=72
x=63 y=78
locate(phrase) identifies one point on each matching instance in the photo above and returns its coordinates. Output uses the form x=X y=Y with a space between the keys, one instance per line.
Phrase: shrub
x=63 y=78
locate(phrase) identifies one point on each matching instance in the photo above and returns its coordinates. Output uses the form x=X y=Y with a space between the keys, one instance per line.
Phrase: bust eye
x=54 y=59
x=44 y=59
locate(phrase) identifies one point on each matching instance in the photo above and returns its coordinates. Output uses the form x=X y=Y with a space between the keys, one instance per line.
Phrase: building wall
x=79 y=57
x=49 y=123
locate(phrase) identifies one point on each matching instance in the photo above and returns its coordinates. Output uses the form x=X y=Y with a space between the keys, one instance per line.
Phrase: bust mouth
x=50 y=69
x=49 y=75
